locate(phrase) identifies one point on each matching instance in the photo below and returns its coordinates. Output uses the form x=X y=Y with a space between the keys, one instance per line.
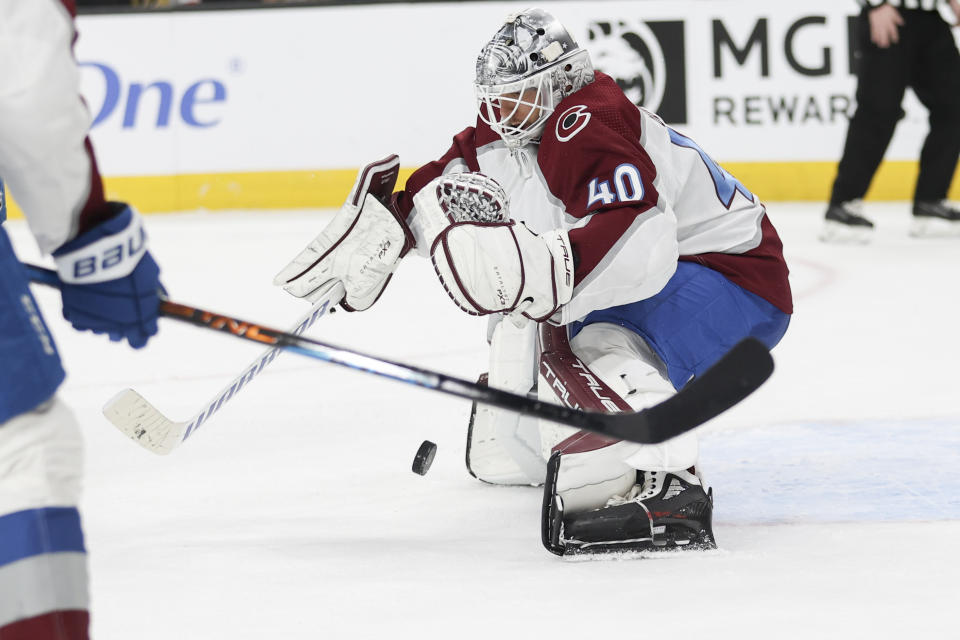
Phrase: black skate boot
x=669 y=510
x=932 y=219
x=844 y=223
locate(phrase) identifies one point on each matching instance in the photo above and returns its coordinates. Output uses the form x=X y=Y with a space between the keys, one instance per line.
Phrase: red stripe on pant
x=56 y=625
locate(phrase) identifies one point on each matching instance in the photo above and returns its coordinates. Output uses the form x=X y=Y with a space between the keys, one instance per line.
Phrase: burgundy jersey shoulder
x=464 y=147
x=590 y=152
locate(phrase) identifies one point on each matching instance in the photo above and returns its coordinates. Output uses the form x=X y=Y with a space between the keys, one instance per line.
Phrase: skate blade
x=838 y=233
x=664 y=540
x=934 y=228
x=631 y=551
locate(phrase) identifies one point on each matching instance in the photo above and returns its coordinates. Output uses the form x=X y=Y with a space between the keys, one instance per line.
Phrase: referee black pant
x=926 y=60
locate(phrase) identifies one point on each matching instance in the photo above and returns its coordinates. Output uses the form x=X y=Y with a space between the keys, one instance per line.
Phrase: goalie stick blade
x=140 y=421
x=734 y=377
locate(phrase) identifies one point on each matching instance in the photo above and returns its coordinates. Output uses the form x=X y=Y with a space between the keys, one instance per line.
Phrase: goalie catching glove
x=488 y=263
x=361 y=246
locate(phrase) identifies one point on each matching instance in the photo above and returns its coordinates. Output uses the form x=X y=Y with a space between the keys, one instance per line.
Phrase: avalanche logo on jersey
x=572 y=121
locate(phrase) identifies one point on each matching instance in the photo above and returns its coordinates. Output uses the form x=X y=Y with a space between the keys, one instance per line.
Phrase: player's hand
x=111 y=284
x=955 y=5
x=885 y=23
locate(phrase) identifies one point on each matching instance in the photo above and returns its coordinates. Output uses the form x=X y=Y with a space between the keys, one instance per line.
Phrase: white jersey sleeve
x=43 y=121
x=635 y=195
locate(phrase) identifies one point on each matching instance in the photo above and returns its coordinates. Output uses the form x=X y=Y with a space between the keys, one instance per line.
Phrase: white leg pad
x=588 y=478
x=41 y=459
x=624 y=361
x=551 y=433
x=505 y=447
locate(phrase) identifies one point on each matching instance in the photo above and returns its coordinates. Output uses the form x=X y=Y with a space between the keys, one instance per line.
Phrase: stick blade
x=734 y=377
x=140 y=421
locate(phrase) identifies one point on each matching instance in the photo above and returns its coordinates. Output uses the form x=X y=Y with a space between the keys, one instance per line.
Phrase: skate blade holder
x=839 y=233
x=658 y=534
x=930 y=227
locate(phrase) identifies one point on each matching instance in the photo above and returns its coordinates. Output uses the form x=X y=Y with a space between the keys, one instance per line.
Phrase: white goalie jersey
x=635 y=196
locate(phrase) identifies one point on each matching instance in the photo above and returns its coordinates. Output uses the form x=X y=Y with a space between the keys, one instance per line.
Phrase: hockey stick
x=158 y=433
x=741 y=371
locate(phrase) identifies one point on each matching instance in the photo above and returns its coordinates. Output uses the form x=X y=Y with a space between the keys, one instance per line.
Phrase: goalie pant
x=48 y=162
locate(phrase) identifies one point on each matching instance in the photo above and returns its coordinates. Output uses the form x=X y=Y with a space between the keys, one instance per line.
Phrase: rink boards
x=276 y=108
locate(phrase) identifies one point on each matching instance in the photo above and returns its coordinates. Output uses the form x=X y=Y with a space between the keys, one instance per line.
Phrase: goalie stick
x=735 y=376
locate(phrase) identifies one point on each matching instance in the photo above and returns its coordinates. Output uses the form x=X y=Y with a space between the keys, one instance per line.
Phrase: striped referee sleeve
x=927 y=5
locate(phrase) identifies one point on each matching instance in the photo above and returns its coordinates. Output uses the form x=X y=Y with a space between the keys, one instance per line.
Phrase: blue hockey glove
x=111 y=283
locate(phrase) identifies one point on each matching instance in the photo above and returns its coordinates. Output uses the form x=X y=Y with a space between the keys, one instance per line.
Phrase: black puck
x=424 y=457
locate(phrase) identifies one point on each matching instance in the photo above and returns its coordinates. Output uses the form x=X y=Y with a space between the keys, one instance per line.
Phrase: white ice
x=293 y=513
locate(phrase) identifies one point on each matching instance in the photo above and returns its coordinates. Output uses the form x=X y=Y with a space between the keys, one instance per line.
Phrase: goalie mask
x=530 y=65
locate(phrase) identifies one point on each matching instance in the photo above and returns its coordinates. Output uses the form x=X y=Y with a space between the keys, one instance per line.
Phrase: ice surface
x=293 y=513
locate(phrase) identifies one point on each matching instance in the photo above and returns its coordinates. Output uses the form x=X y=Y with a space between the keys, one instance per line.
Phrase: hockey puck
x=424 y=457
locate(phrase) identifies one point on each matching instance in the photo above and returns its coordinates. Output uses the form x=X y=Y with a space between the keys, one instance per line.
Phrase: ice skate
x=932 y=219
x=844 y=223
x=668 y=510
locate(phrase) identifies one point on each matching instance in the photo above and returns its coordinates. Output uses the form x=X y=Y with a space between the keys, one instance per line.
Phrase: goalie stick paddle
x=735 y=376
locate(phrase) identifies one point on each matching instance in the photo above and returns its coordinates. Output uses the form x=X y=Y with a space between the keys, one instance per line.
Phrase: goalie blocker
x=361 y=247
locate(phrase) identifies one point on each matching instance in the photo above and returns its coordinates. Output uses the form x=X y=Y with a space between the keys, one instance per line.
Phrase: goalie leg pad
x=591 y=482
x=624 y=361
x=504 y=447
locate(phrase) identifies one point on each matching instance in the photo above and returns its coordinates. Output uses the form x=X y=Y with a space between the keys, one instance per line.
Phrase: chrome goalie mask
x=529 y=66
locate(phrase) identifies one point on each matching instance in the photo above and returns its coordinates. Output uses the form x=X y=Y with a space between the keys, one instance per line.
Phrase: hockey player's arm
x=46 y=160
x=111 y=283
